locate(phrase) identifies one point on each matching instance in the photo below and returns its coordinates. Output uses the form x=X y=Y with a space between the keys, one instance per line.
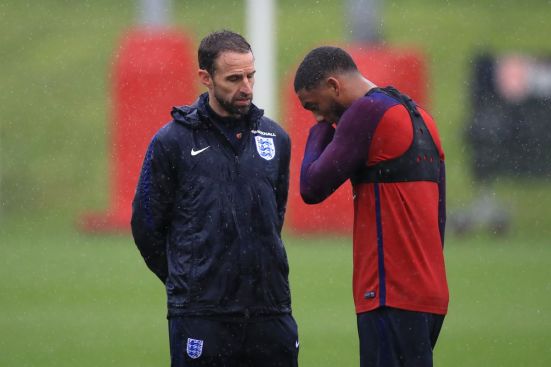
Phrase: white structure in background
x=261 y=33
x=364 y=21
x=154 y=13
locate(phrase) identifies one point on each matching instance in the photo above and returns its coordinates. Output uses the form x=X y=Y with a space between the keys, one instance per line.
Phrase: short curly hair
x=319 y=63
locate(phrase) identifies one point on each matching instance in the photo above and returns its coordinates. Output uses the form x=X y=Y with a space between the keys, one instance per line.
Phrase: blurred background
x=74 y=297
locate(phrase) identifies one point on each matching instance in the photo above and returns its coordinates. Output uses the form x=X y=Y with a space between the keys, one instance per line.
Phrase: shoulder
x=366 y=113
x=169 y=138
x=374 y=101
x=433 y=129
x=371 y=106
x=171 y=131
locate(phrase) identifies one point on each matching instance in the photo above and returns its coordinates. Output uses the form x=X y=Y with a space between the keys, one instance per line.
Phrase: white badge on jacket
x=265 y=147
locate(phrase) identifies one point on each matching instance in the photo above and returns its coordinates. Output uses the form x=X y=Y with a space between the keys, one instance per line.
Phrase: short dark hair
x=217 y=42
x=319 y=63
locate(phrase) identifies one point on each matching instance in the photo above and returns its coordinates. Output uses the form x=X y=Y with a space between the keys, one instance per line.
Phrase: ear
x=334 y=84
x=205 y=78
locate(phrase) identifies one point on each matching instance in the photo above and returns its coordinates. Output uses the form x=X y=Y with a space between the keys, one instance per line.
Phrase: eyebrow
x=240 y=74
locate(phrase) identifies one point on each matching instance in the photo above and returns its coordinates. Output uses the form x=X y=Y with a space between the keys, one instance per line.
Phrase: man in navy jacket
x=207 y=219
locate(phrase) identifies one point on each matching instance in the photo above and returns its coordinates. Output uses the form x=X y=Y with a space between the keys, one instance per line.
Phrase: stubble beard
x=231 y=108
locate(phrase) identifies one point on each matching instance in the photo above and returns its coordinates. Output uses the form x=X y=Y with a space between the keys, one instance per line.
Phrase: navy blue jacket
x=207 y=218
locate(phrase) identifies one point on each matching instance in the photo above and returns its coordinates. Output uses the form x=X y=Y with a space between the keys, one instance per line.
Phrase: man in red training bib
x=390 y=150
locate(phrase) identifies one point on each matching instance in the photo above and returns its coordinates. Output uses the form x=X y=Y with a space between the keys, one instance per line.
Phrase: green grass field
x=69 y=299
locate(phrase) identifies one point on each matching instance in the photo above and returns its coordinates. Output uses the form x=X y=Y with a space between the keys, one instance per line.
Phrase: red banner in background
x=405 y=70
x=154 y=70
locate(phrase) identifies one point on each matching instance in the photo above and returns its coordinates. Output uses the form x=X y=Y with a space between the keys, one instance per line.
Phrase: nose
x=247 y=86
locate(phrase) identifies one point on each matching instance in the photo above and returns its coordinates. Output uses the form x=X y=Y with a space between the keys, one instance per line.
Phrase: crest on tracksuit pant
x=194 y=348
x=265 y=147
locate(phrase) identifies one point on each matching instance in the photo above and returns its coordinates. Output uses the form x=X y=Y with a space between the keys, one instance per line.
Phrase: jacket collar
x=196 y=115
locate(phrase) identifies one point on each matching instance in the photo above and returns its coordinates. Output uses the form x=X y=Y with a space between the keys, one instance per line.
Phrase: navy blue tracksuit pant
x=390 y=337
x=217 y=342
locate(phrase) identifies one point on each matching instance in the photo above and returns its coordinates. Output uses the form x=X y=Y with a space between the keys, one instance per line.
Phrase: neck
x=361 y=87
x=356 y=87
x=216 y=108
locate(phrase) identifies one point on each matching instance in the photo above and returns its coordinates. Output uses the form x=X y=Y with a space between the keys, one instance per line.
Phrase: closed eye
x=310 y=107
x=234 y=78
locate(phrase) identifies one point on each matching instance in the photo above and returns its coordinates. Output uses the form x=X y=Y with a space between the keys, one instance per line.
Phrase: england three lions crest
x=194 y=348
x=265 y=147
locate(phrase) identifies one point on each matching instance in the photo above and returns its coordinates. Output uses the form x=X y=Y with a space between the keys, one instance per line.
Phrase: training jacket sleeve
x=333 y=155
x=282 y=188
x=151 y=208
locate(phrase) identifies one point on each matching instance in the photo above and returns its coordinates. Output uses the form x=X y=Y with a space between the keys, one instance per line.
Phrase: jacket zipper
x=230 y=146
x=236 y=164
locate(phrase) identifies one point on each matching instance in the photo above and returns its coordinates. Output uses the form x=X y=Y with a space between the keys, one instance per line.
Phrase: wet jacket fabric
x=207 y=216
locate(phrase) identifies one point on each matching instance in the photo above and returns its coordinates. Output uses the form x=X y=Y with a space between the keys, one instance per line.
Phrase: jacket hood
x=196 y=115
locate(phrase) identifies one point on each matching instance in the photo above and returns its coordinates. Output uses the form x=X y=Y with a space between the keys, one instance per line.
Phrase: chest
x=210 y=155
